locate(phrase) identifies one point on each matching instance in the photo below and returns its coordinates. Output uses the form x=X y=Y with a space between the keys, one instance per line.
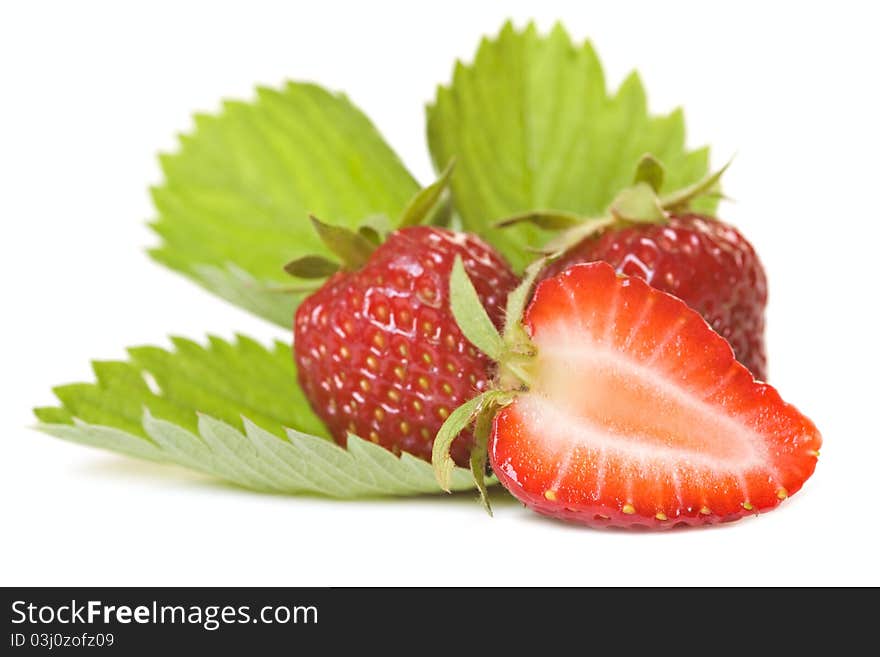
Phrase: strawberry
x=618 y=405
x=378 y=352
x=703 y=261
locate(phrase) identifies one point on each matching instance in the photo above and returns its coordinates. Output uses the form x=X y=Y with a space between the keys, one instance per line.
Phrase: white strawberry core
x=587 y=395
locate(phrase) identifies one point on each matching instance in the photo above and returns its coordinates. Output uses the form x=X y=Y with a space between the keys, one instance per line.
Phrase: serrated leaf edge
x=258 y=460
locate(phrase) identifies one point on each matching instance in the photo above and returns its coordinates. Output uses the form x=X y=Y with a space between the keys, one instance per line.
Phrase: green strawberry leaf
x=548 y=219
x=460 y=418
x=235 y=202
x=231 y=410
x=352 y=247
x=517 y=300
x=470 y=315
x=479 y=453
x=638 y=204
x=444 y=467
x=650 y=170
x=533 y=127
x=425 y=201
x=311 y=266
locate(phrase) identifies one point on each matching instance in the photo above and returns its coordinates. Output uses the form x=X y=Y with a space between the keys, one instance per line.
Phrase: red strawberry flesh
x=639 y=415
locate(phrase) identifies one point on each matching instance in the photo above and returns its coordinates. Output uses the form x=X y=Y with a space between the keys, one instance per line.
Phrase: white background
x=90 y=92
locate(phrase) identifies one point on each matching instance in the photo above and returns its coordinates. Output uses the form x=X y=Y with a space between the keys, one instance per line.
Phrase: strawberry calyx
x=640 y=203
x=353 y=248
x=514 y=354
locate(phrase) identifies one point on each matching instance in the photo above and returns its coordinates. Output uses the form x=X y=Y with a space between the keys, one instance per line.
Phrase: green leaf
x=350 y=246
x=546 y=219
x=234 y=205
x=377 y=226
x=532 y=125
x=370 y=234
x=708 y=186
x=271 y=300
x=651 y=171
x=479 y=453
x=224 y=379
x=232 y=411
x=311 y=267
x=563 y=241
x=487 y=402
x=425 y=200
x=516 y=300
x=460 y=418
x=639 y=204
x=375 y=229
x=469 y=313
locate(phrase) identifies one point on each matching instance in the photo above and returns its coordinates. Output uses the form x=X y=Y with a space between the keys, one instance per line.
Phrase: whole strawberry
x=378 y=351
x=705 y=262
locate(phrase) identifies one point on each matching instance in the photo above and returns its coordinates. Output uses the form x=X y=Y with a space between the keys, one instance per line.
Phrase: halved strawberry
x=633 y=412
x=638 y=413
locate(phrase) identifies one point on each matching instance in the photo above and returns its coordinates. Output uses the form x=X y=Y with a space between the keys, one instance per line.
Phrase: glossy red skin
x=698 y=360
x=378 y=351
x=705 y=262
